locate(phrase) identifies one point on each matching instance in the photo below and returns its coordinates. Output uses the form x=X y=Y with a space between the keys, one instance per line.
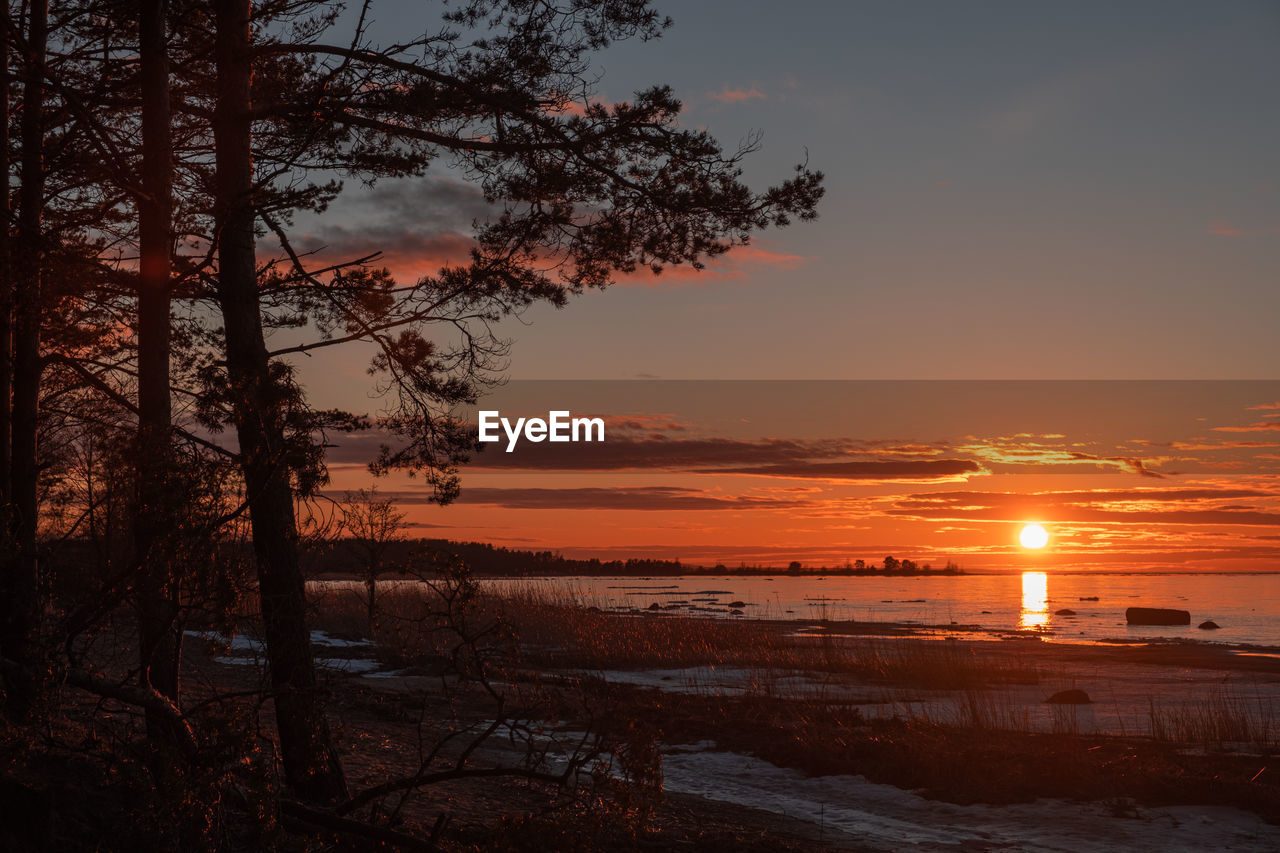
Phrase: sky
x=1016 y=191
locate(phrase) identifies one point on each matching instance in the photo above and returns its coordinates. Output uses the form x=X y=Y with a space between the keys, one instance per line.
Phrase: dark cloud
x=430 y=203
x=874 y=470
x=697 y=455
x=640 y=498
x=417 y=224
x=655 y=498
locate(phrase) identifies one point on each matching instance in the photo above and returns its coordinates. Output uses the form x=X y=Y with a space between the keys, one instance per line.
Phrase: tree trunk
x=6 y=279
x=160 y=641
x=310 y=762
x=372 y=585
x=23 y=568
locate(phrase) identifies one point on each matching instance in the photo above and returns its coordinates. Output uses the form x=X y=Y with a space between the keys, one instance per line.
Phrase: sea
x=1067 y=607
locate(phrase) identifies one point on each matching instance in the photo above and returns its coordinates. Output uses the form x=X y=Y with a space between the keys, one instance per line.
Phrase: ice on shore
x=238 y=643
x=244 y=650
x=882 y=816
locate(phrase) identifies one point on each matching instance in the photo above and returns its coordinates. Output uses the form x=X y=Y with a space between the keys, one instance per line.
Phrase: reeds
x=548 y=629
x=1223 y=717
x=554 y=628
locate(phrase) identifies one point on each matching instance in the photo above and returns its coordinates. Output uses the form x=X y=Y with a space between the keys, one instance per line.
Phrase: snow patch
x=320 y=638
x=884 y=816
x=354 y=666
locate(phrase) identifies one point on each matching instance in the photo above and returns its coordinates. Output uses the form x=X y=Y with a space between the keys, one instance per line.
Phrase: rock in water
x=1208 y=625
x=1066 y=611
x=1156 y=616
x=1070 y=697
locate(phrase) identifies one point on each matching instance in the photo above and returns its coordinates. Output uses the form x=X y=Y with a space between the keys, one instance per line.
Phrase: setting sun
x=1033 y=536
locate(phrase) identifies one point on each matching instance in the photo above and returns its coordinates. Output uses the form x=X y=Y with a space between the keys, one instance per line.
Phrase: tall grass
x=1222 y=717
x=542 y=628
x=553 y=628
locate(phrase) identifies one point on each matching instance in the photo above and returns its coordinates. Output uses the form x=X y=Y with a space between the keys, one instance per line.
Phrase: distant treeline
x=487 y=559
x=888 y=566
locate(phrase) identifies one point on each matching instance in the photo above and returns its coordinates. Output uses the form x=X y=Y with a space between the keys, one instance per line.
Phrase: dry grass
x=1223 y=717
x=550 y=629
x=537 y=629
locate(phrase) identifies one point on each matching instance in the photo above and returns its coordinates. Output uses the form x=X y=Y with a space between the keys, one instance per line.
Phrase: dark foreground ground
x=712 y=736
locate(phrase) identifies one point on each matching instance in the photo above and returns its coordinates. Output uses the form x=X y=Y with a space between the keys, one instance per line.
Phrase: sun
x=1033 y=536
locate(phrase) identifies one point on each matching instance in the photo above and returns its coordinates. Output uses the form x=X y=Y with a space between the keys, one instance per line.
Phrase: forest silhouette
x=162 y=469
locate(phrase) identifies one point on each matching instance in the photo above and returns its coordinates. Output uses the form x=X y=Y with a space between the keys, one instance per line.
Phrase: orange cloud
x=578 y=109
x=736 y=96
x=1226 y=445
x=408 y=255
x=1222 y=228
x=1033 y=453
x=1260 y=426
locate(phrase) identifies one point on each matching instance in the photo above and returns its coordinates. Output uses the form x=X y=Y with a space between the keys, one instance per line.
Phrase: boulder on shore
x=1070 y=697
x=1156 y=616
x=1208 y=625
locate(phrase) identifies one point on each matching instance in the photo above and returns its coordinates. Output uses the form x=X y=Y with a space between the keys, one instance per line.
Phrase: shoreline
x=743 y=605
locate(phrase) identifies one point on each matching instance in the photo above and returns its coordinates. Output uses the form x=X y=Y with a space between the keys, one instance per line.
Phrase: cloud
x=736 y=96
x=417 y=224
x=1222 y=228
x=1110 y=506
x=930 y=470
x=655 y=424
x=409 y=254
x=650 y=498
x=659 y=442
x=1000 y=451
x=1259 y=426
x=656 y=450
x=1225 y=445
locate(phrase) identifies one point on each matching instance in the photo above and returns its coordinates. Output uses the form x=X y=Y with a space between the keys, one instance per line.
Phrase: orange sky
x=1016 y=190
x=1125 y=475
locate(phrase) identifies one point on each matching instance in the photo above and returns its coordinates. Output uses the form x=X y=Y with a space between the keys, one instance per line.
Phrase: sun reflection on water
x=1035 y=600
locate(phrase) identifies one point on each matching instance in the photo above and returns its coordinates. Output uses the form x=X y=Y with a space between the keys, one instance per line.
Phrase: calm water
x=1246 y=606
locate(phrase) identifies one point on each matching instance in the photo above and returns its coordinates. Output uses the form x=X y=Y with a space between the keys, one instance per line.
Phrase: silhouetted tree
x=374 y=525
x=583 y=197
x=160 y=639
x=118 y=154
x=22 y=571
